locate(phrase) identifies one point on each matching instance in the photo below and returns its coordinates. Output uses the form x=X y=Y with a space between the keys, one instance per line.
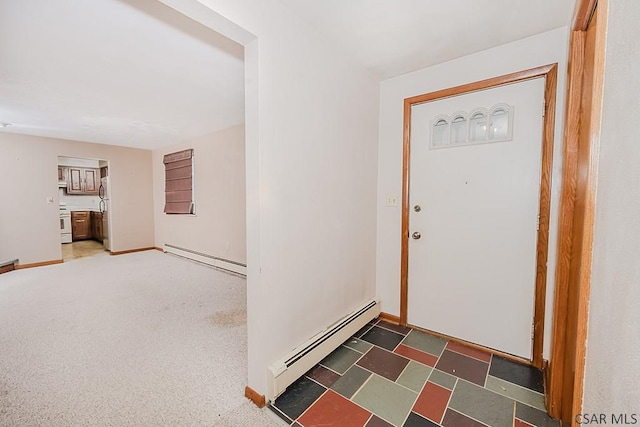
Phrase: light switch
x=50 y=200
x=391 y=201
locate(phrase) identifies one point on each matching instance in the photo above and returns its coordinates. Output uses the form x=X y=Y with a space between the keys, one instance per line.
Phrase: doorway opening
x=84 y=197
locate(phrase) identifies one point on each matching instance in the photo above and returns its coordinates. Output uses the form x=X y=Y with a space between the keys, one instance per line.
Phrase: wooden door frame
x=565 y=386
x=549 y=73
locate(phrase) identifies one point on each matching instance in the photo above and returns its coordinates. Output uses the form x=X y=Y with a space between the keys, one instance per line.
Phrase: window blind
x=178 y=186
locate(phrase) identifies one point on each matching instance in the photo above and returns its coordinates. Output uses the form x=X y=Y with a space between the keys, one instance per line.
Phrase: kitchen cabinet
x=96 y=226
x=83 y=180
x=63 y=172
x=74 y=185
x=80 y=225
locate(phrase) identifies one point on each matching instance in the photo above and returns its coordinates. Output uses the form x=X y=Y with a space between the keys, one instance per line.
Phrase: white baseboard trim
x=217 y=262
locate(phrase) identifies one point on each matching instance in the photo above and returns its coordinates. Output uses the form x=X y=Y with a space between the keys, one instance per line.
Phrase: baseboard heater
x=214 y=261
x=285 y=371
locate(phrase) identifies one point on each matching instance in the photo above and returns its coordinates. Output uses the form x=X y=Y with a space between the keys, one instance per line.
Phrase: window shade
x=178 y=186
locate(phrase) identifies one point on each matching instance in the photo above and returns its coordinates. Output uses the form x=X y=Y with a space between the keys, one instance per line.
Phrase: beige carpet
x=144 y=339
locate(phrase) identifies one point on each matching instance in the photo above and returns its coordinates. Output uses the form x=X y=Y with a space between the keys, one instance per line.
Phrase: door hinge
x=533 y=331
x=544 y=105
x=538 y=223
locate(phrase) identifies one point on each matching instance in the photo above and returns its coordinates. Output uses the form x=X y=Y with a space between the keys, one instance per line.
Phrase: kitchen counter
x=81 y=209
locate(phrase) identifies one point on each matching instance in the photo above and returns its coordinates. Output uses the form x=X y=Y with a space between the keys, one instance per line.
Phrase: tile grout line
x=448 y=402
x=490 y=391
x=445 y=373
x=523 y=422
x=418 y=349
x=329 y=369
x=470 y=417
x=414 y=403
x=434 y=368
x=423 y=386
x=318 y=382
x=359 y=359
x=516 y=385
x=459 y=412
x=522 y=403
x=517 y=400
x=373 y=373
x=405 y=368
x=329 y=388
x=309 y=407
x=438 y=360
x=403 y=337
x=371 y=325
x=410 y=360
x=391 y=330
x=361 y=387
x=486 y=376
x=356 y=361
x=272 y=407
x=348 y=399
x=472 y=357
x=423 y=417
x=354 y=349
x=379 y=346
x=393 y=353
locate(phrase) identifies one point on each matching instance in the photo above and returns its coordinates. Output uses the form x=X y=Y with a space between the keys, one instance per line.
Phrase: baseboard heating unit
x=217 y=262
x=285 y=371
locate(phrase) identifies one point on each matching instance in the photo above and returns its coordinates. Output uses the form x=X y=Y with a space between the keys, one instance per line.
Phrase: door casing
x=565 y=386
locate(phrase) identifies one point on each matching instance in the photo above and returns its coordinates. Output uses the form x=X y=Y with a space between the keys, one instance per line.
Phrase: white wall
x=74 y=161
x=613 y=345
x=30 y=227
x=78 y=202
x=311 y=128
x=219 y=226
x=528 y=53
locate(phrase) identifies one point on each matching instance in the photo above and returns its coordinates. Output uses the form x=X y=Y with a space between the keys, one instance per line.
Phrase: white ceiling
x=122 y=72
x=394 y=37
x=136 y=73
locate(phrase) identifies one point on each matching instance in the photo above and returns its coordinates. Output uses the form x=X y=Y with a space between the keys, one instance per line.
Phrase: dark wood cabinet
x=91 y=181
x=86 y=225
x=74 y=185
x=80 y=225
x=96 y=226
x=63 y=171
x=83 y=180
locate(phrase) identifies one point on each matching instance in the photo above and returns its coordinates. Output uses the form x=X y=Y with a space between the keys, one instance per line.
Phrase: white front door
x=474 y=200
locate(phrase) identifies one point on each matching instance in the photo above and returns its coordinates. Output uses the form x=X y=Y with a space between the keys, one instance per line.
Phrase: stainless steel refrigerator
x=103 y=193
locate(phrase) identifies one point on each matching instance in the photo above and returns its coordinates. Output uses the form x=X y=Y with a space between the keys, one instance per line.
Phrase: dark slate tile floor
x=391 y=376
